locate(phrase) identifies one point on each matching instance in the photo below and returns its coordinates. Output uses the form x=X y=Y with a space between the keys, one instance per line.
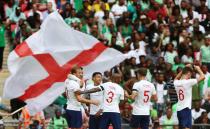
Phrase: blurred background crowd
x=161 y=35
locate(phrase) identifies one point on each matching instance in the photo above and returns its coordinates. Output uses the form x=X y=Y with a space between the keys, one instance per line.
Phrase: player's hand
x=197 y=67
x=99 y=113
x=95 y=102
x=86 y=112
x=126 y=93
x=79 y=92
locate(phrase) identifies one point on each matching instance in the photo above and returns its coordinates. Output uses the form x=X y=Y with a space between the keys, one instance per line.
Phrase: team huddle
x=104 y=99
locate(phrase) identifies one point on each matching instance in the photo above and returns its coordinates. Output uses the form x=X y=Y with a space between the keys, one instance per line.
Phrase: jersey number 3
x=110 y=97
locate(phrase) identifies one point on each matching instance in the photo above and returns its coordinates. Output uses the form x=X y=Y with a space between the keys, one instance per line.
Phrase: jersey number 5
x=110 y=97
x=146 y=96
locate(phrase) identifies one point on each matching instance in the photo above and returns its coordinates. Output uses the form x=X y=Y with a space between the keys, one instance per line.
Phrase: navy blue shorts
x=74 y=118
x=110 y=118
x=140 y=121
x=185 y=118
x=94 y=122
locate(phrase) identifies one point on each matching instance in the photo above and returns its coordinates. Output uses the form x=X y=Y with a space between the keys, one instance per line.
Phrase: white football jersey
x=142 y=103
x=71 y=87
x=184 y=92
x=113 y=93
x=95 y=96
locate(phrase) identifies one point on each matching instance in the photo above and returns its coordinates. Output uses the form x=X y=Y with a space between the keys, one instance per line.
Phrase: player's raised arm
x=178 y=76
x=200 y=72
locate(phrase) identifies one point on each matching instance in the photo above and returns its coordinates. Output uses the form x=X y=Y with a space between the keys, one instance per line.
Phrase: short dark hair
x=142 y=71
x=96 y=73
x=75 y=68
x=187 y=70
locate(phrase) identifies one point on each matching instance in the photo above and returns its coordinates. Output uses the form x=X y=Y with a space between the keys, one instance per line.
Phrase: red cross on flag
x=40 y=65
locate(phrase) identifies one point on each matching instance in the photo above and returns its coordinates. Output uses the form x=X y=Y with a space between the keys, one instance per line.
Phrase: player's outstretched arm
x=93 y=90
x=132 y=96
x=86 y=101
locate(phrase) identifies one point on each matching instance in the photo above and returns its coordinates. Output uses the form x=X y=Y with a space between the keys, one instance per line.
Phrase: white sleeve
x=72 y=86
x=135 y=87
x=113 y=8
x=102 y=87
x=88 y=87
x=153 y=90
x=42 y=115
x=177 y=82
x=122 y=95
x=192 y=82
x=184 y=59
x=202 y=29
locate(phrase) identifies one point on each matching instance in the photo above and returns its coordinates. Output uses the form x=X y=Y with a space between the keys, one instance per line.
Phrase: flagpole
x=10 y=114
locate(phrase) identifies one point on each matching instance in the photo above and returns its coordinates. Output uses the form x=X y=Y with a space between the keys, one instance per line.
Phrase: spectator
x=34 y=21
x=49 y=112
x=73 y=19
x=171 y=92
x=206 y=83
x=206 y=23
x=206 y=103
x=145 y=4
x=159 y=86
x=17 y=15
x=154 y=53
x=34 y=10
x=196 y=27
x=48 y=11
x=2 y=43
x=177 y=64
x=205 y=52
x=101 y=13
x=126 y=28
x=203 y=119
x=169 y=119
x=10 y=7
x=187 y=57
x=184 y=6
x=118 y=9
x=169 y=54
x=126 y=114
x=156 y=9
x=58 y=122
x=26 y=119
x=108 y=30
x=197 y=111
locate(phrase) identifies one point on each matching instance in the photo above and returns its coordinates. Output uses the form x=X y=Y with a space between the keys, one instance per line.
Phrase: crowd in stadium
x=161 y=35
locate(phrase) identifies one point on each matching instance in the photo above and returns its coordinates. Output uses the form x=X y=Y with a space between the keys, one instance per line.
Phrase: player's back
x=113 y=93
x=95 y=96
x=71 y=87
x=184 y=92
x=142 y=102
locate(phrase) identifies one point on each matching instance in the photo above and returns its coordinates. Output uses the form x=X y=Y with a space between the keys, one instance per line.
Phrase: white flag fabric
x=40 y=64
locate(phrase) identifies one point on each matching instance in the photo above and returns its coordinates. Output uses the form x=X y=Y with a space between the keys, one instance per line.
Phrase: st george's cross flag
x=40 y=64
